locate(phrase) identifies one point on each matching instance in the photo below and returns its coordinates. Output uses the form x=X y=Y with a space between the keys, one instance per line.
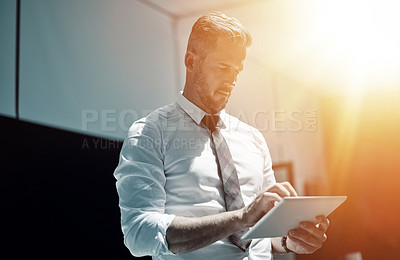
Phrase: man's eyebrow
x=228 y=65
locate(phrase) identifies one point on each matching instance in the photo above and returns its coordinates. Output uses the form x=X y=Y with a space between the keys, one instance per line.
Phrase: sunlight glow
x=333 y=45
x=366 y=34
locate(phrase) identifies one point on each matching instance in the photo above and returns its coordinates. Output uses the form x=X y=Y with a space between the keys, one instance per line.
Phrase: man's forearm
x=186 y=234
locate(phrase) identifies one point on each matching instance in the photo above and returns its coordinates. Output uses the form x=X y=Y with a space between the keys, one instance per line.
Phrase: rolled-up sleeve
x=140 y=185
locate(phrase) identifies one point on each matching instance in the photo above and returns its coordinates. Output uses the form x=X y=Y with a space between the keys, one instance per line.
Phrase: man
x=190 y=184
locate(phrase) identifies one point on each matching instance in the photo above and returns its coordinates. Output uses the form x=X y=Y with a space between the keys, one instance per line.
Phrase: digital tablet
x=289 y=212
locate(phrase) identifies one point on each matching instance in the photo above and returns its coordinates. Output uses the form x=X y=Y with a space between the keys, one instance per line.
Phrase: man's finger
x=279 y=189
x=266 y=200
x=271 y=196
x=298 y=244
x=307 y=237
x=290 y=188
x=312 y=230
x=323 y=223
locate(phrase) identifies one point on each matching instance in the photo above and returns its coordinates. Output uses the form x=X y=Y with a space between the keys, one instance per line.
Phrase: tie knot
x=210 y=121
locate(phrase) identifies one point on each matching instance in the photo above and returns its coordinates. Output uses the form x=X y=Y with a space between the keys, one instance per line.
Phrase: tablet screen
x=290 y=211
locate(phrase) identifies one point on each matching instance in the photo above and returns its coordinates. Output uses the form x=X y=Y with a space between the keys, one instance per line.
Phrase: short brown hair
x=213 y=26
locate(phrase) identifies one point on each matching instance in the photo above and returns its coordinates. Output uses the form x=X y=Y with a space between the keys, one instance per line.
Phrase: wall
x=87 y=66
x=7 y=57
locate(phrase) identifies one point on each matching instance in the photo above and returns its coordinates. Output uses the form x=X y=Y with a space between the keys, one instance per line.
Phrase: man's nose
x=232 y=77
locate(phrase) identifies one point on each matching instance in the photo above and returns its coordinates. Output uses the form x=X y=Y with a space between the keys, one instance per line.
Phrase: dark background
x=58 y=195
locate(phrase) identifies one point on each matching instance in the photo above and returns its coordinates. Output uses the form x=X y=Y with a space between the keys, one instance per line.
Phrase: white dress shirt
x=167 y=168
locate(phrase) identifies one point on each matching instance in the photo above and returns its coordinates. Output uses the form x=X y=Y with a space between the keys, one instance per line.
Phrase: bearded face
x=213 y=97
x=214 y=75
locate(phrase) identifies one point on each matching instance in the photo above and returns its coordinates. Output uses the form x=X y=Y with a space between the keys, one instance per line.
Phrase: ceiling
x=183 y=8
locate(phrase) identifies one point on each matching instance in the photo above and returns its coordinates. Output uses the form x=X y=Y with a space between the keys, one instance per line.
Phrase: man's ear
x=189 y=60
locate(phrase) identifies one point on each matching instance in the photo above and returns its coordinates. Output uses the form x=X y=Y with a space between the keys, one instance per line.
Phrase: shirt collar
x=195 y=112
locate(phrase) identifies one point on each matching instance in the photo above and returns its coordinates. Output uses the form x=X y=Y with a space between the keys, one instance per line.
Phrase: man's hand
x=186 y=234
x=308 y=237
x=265 y=201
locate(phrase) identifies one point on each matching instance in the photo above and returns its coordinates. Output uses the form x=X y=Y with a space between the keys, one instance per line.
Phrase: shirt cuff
x=147 y=235
x=163 y=225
